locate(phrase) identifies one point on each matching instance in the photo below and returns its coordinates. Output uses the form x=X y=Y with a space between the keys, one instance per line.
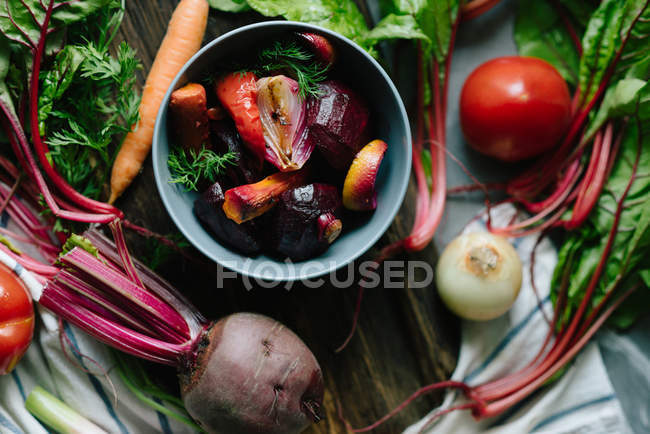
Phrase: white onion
x=479 y=276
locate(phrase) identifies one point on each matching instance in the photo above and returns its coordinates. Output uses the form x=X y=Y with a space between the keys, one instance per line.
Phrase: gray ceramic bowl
x=390 y=123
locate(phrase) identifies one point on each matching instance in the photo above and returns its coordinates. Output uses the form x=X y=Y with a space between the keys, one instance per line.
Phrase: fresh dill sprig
x=297 y=61
x=190 y=170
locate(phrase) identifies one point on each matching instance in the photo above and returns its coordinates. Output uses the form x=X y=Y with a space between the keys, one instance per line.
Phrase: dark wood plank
x=405 y=339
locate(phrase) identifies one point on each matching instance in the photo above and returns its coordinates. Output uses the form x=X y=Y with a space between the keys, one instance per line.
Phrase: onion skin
x=479 y=276
x=252 y=375
x=284 y=122
x=359 y=192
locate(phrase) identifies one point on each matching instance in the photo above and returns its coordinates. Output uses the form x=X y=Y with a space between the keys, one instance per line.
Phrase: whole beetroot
x=251 y=374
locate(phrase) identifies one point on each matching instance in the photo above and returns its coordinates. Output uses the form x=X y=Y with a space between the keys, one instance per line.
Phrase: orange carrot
x=182 y=41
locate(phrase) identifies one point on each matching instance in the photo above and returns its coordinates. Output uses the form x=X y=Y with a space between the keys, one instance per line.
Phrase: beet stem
x=41 y=148
x=450 y=384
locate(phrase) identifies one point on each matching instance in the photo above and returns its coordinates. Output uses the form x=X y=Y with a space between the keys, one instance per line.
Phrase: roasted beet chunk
x=209 y=209
x=225 y=138
x=337 y=121
x=306 y=221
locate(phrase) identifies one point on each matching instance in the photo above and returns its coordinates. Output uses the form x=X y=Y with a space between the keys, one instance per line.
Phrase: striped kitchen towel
x=581 y=401
x=89 y=393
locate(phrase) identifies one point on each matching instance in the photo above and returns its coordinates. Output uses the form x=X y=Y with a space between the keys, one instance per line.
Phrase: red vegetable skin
x=320 y=46
x=16 y=319
x=359 y=192
x=514 y=108
x=253 y=375
x=338 y=120
x=188 y=113
x=248 y=201
x=237 y=92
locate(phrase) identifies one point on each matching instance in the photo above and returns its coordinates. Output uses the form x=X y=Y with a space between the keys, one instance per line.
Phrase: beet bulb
x=306 y=221
x=225 y=138
x=338 y=120
x=209 y=210
x=251 y=374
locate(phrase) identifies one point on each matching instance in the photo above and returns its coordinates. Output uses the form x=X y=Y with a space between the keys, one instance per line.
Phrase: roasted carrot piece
x=248 y=201
x=188 y=113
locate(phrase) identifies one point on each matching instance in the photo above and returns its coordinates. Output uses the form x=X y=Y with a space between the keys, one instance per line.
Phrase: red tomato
x=16 y=319
x=513 y=108
x=237 y=92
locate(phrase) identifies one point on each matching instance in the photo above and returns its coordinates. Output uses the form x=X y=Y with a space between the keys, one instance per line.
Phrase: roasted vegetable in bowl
x=269 y=144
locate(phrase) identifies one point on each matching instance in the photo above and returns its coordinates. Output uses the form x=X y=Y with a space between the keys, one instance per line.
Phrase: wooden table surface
x=406 y=339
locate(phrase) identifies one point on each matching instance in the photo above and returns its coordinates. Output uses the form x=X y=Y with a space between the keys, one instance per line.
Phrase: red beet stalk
x=559 y=168
x=494 y=397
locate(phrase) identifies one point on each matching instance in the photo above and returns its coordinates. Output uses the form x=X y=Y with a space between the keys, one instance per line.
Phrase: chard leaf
x=5 y=55
x=229 y=5
x=540 y=32
x=437 y=19
x=395 y=27
x=73 y=11
x=630 y=254
x=619 y=100
x=614 y=23
x=580 y=10
x=633 y=308
x=403 y=21
x=21 y=20
x=341 y=16
x=640 y=69
x=636 y=53
x=413 y=7
x=645 y=276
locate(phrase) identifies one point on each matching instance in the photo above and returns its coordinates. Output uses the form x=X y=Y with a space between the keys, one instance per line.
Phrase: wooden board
x=405 y=339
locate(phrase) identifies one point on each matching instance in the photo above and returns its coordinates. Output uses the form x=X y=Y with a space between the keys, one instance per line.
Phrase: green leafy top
x=82 y=242
x=189 y=168
x=629 y=258
x=540 y=32
x=87 y=96
x=229 y=5
x=342 y=16
x=612 y=24
x=298 y=61
x=20 y=20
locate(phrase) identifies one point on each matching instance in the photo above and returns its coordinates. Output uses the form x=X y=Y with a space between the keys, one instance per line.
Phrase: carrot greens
x=88 y=102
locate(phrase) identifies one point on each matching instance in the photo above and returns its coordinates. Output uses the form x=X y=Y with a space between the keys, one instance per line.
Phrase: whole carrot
x=182 y=41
